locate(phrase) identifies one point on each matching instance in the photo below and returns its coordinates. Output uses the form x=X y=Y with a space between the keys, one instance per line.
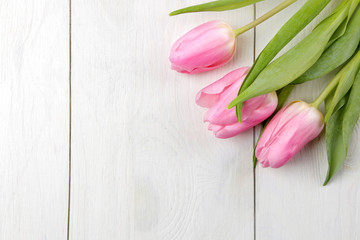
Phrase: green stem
x=333 y=83
x=261 y=19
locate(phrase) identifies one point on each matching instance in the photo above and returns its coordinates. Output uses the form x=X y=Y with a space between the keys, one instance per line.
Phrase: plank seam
x=70 y=115
x=254 y=134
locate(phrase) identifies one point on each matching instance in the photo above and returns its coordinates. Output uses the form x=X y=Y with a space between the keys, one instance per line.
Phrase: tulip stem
x=333 y=83
x=261 y=19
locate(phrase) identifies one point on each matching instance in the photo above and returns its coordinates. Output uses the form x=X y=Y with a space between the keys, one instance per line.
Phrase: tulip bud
x=218 y=95
x=206 y=47
x=287 y=133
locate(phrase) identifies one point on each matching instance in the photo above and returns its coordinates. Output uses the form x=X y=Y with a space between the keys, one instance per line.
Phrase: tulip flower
x=223 y=121
x=212 y=44
x=288 y=132
x=206 y=47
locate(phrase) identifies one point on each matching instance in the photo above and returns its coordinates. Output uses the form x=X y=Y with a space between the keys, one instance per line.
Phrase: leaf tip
x=173 y=13
x=328 y=177
x=233 y=103
x=254 y=163
x=239 y=119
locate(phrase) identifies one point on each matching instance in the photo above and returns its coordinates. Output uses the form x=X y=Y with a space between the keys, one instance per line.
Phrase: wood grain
x=291 y=202
x=34 y=139
x=143 y=164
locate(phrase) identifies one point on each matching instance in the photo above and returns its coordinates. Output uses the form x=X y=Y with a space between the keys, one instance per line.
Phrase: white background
x=92 y=113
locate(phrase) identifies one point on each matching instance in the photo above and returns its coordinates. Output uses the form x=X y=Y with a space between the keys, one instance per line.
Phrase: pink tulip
x=218 y=95
x=288 y=132
x=206 y=47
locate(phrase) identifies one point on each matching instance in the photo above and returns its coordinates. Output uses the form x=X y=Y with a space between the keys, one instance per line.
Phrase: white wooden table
x=99 y=139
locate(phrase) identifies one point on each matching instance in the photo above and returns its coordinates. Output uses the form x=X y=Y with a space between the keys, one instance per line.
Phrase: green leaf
x=254 y=150
x=328 y=100
x=283 y=95
x=338 y=53
x=340 y=127
x=345 y=78
x=335 y=146
x=287 y=32
x=296 y=61
x=342 y=28
x=221 y=5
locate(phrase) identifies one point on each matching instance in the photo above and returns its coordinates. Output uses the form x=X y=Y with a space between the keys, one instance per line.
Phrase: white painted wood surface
x=34 y=113
x=143 y=165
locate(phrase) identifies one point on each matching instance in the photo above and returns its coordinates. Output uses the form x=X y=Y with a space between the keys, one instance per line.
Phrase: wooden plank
x=34 y=139
x=143 y=164
x=291 y=202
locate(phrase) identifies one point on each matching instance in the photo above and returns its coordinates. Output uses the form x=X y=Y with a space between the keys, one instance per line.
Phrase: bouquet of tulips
x=248 y=96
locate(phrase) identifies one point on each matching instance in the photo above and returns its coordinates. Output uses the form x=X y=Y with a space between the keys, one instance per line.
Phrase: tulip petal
x=287 y=133
x=218 y=113
x=223 y=121
x=205 y=47
x=209 y=95
x=257 y=109
x=214 y=127
x=232 y=130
